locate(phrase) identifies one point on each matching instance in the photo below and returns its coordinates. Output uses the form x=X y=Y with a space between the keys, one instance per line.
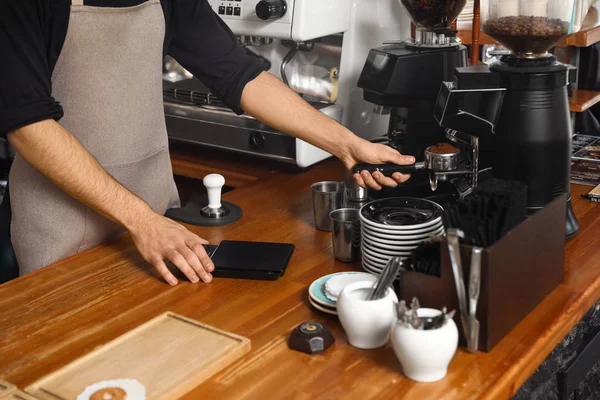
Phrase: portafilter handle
x=388 y=169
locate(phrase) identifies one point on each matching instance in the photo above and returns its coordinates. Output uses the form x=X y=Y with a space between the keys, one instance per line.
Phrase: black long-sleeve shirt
x=32 y=34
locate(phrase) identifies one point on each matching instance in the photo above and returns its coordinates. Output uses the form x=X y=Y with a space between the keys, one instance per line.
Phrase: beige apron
x=108 y=79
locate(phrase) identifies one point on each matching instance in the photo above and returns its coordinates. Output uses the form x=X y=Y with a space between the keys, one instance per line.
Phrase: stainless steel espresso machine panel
x=193 y=115
x=297 y=20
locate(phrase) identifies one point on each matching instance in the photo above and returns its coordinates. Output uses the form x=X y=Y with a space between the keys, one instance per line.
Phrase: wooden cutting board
x=170 y=355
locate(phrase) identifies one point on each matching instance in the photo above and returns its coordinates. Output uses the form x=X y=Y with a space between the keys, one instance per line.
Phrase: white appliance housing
x=302 y=20
x=365 y=24
x=372 y=22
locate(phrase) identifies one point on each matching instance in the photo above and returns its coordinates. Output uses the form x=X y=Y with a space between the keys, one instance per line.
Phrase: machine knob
x=214 y=183
x=257 y=139
x=271 y=9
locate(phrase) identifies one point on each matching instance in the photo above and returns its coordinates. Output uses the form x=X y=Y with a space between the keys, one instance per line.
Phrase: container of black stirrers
x=520 y=259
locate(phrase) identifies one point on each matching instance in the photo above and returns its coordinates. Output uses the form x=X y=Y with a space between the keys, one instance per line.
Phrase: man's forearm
x=53 y=151
x=269 y=100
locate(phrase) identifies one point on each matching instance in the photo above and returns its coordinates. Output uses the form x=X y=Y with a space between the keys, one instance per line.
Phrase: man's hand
x=363 y=151
x=54 y=152
x=158 y=239
x=269 y=100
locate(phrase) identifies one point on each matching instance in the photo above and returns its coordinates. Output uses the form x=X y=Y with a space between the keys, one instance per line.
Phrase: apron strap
x=77 y=2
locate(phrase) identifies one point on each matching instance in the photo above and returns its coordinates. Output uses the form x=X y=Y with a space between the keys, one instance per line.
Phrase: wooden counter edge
x=516 y=375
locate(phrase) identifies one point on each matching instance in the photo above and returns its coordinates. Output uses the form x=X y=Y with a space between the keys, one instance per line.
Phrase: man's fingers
x=400 y=159
x=369 y=181
x=359 y=180
x=200 y=251
x=195 y=262
x=384 y=180
x=400 y=178
x=162 y=269
x=181 y=263
x=200 y=240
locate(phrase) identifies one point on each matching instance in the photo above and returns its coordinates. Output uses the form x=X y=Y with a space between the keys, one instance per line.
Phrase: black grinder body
x=534 y=134
x=532 y=138
x=406 y=80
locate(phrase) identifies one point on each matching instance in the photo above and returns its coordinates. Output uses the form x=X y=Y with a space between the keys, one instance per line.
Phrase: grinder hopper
x=529 y=28
x=433 y=15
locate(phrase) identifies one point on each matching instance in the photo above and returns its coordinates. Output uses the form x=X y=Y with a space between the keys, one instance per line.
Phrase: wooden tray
x=8 y=391
x=169 y=355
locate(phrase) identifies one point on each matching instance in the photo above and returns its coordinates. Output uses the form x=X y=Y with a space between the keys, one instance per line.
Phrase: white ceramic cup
x=366 y=323
x=425 y=355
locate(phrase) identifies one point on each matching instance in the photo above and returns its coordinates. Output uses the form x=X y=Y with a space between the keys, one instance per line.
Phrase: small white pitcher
x=367 y=323
x=425 y=355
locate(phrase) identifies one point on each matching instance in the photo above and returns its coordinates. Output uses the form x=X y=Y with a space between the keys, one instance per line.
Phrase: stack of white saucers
x=394 y=227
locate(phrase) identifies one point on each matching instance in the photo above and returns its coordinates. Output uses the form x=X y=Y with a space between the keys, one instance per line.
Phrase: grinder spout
x=472 y=102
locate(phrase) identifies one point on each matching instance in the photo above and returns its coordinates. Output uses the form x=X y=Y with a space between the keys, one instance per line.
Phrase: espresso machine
x=293 y=28
x=402 y=79
x=522 y=99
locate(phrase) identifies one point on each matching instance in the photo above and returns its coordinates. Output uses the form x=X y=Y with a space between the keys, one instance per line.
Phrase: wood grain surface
x=583 y=100
x=169 y=355
x=61 y=312
x=238 y=170
x=6 y=389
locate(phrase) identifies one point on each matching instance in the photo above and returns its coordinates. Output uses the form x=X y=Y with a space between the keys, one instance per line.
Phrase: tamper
x=216 y=213
x=214 y=183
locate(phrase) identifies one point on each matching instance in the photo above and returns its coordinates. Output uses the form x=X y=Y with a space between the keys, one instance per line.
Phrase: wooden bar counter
x=61 y=312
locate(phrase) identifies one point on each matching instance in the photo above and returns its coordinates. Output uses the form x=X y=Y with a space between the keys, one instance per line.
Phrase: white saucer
x=395 y=243
x=374 y=270
x=322 y=308
x=402 y=232
x=401 y=213
x=379 y=252
x=316 y=289
x=374 y=244
x=375 y=256
x=371 y=268
x=410 y=229
x=397 y=239
x=377 y=261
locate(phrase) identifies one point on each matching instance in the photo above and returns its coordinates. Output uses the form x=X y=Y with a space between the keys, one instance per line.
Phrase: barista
x=81 y=102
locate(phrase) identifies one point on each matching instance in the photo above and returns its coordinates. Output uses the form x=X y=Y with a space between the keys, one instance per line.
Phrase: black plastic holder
x=191 y=213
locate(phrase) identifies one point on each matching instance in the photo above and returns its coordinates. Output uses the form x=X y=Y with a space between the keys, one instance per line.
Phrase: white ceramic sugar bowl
x=366 y=323
x=425 y=355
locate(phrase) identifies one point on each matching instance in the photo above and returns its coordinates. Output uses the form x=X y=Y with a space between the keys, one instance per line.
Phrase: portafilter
x=442 y=158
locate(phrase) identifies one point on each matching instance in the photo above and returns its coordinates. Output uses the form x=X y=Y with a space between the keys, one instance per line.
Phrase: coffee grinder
x=522 y=99
x=402 y=79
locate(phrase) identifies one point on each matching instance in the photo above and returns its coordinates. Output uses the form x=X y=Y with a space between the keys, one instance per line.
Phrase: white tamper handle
x=214 y=183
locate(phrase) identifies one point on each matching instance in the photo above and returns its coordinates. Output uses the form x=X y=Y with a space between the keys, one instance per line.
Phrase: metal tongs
x=469 y=321
x=386 y=278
